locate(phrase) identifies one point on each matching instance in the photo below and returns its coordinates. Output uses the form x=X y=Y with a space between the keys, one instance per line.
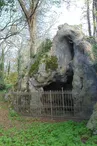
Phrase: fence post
x=51 y=104
x=63 y=101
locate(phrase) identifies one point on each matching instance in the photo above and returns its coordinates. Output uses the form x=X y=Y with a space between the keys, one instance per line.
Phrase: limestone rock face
x=70 y=56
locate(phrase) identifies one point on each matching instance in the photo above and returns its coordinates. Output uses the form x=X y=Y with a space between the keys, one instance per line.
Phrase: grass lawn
x=21 y=131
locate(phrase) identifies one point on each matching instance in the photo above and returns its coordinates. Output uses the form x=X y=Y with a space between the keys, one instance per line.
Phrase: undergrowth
x=13 y=115
x=48 y=134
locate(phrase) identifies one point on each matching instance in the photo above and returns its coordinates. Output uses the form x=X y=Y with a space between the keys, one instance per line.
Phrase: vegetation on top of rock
x=43 y=49
x=91 y=40
x=94 y=48
x=34 y=67
x=51 y=63
x=45 y=46
x=95 y=52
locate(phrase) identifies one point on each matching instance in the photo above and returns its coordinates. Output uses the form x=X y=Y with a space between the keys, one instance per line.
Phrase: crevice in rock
x=81 y=80
x=70 y=44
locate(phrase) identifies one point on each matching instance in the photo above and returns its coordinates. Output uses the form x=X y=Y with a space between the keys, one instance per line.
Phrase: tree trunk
x=8 y=68
x=32 y=30
x=19 y=68
x=94 y=22
x=88 y=17
x=95 y=17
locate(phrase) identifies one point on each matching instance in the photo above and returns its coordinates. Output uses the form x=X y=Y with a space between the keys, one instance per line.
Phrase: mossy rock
x=51 y=63
x=34 y=68
x=44 y=48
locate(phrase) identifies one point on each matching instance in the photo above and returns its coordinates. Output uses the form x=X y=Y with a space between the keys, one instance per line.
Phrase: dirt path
x=5 y=120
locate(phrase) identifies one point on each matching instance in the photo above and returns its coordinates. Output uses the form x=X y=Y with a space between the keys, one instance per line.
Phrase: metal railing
x=52 y=104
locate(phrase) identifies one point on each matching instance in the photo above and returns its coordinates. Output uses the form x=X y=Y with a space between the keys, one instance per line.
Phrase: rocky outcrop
x=69 y=57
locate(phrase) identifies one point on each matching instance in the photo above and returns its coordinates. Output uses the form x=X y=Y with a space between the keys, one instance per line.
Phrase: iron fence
x=51 y=104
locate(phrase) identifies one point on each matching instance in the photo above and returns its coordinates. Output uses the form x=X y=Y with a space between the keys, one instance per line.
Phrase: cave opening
x=59 y=85
x=59 y=103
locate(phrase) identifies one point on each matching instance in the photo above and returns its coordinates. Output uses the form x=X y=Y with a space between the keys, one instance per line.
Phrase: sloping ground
x=10 y=119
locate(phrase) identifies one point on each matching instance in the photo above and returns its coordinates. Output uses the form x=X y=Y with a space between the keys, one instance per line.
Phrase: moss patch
x=34 y=68
x=51 y=63
x=43 y=49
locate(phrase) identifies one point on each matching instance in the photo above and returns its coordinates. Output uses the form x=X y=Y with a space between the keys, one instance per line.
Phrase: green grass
x=48 y=134
x=13 y=115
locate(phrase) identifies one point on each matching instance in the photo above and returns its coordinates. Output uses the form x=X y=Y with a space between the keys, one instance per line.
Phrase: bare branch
x=33 y=11
x=7 y=36
x=24 y=8
x=5 y=26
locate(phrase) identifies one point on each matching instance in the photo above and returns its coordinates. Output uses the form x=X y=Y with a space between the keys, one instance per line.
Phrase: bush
x=2 y=86
x=11 y=78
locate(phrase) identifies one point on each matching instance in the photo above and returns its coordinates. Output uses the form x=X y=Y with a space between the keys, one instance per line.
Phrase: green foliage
x=94 y=48
x=95 y=51
x=11 y=78
x=34 y=67
x=8 y=86
x=2 y=86
x=7 y=5
x=91 y=40
x=13 y=113
x=51 y=63
x=44 y=48
x=48 y=134
x=2 y=3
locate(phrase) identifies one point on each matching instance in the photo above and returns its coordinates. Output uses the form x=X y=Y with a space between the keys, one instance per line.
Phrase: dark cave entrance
x=59 y=85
